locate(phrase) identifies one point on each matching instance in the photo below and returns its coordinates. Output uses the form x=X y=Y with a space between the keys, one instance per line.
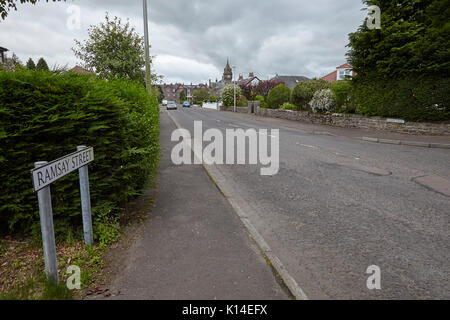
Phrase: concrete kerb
x=407 y=143
x=275 y=262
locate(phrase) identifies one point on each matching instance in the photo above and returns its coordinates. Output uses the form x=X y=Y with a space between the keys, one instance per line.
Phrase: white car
x=164 y=103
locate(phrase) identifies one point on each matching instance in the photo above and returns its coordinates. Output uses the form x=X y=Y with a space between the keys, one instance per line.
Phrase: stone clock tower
x=227 y=73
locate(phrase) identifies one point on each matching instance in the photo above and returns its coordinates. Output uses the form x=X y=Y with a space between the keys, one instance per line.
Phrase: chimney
x=241 y=77
x=251 y=75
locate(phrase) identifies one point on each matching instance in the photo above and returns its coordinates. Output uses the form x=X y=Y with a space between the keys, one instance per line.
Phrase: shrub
x=45 y=116
x=342 y=93
x=262 y=102
x=228 y=94
x=411 y=98
x=278 y=95
x=322 y=101
x=304 y=92
x=243 y=102
x=288 y=106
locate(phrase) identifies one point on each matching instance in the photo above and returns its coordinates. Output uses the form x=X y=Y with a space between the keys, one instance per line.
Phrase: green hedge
x=45 y=116
x=413 y=99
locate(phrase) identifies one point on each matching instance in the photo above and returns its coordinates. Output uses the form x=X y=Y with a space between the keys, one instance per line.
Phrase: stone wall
x=358 y=121
x=231 y=109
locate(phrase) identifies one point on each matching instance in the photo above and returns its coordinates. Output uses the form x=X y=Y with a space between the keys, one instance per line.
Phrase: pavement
x=339 y=205
x=194 y=246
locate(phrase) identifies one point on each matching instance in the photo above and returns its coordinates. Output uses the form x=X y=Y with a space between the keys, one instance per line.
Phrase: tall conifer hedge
x=45 y=116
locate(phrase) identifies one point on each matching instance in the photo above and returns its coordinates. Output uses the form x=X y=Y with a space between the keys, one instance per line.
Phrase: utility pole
x=147 y=49
x=234 y=86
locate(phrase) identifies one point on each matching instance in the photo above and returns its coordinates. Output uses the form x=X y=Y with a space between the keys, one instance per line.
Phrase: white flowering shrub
x=322 y=101
x=228 y=94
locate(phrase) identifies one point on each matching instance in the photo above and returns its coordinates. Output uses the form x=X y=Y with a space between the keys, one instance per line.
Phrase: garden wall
x=357 y=121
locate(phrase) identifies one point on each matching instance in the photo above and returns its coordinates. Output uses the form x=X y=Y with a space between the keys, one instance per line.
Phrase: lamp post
x=147 y=48
x=234 y=87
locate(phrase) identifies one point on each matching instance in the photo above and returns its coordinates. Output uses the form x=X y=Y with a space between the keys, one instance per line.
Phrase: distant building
x=3 y=55
x=171 y=92
x=250 y=80
x=340 y=73
x=215 y=88
x=290 y=81
x=81 y=70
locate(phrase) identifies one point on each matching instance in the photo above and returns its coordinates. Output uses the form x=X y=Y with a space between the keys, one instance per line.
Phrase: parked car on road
x=171 y=105
x=186 y=104
x=164 y=103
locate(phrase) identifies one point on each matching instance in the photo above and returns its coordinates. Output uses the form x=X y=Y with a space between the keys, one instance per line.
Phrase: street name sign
x=51 y=172
x=396 y=121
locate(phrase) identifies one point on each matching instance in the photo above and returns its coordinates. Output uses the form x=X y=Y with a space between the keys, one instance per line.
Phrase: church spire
x=228 y=73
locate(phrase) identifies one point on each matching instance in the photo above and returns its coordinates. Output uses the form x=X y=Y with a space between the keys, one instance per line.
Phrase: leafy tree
x=263 y=87
x=402 y=68
x=278 y=95
x=7 y=5
x=114 y=50
x=200 y=95
x=182 y=96
x=42 y=65
x=414 y=39
x=304 y=92
x=228 y=94
x=31 y=65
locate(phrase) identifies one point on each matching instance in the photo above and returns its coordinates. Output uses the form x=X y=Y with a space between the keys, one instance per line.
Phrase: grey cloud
x=286 y=36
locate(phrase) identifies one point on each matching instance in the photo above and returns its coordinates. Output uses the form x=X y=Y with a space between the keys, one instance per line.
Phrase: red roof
x=344 y=66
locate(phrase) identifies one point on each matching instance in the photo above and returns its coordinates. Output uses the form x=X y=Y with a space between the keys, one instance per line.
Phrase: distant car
x=186 y=104
x=171 y=105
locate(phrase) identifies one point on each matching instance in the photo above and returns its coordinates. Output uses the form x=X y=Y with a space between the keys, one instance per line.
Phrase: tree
x=114 y=50
x=228 y=94
x=304 y=92
x=31 y=65
x=413 y=39
x=263 y=87
x=278 y=95
x=7 y=5
x=201 y=95
x=42 y=65
x=182 y=96
x=403 y=68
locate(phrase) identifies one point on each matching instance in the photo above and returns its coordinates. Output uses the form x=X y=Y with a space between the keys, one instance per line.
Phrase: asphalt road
x=339 y=205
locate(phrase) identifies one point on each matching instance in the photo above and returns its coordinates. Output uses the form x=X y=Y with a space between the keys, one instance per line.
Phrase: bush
x=288 y=106
x=412 y=99
x=200 y=95
x=304 y=92
x=342 y=93
x=45 y=116
x=243 y=102
x=262 y=102
x=323 y=101
x=278 y=95
x=228 y=94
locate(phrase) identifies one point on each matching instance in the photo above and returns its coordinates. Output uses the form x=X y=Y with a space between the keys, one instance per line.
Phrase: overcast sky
x=193 y=39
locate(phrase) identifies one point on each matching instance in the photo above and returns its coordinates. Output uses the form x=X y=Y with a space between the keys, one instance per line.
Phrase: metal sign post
x=43 y=175
x=47 y=229
x=86 y=203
